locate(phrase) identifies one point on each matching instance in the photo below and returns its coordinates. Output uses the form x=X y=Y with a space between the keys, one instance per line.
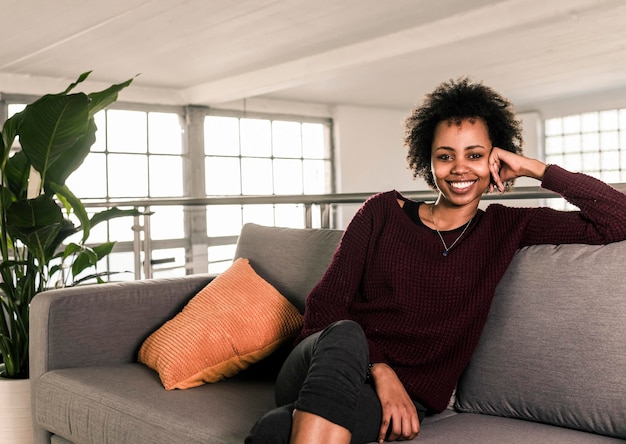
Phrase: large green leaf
x=81 y=79
x=35 y=222
x=51 y=126
x=42 y=210
x=113 y=213
x=100 y=100
x=9 y=132
x=17 y=170
x=69 y=160
x=76 y=204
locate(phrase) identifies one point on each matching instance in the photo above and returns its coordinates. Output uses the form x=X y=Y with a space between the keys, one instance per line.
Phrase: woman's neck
x=442 y=217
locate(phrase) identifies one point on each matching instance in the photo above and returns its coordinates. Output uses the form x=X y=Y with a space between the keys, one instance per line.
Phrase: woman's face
x=460 y=161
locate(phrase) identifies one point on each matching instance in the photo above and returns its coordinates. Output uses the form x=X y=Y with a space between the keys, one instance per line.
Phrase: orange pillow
x=236 y=320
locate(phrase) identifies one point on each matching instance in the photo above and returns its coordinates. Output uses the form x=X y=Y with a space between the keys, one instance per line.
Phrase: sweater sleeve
x=330 y=300
x=601 y=218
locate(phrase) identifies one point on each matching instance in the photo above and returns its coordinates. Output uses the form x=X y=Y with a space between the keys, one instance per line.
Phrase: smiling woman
x=413 y=281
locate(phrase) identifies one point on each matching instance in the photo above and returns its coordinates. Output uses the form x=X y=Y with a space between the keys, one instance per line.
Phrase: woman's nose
x=460 y=166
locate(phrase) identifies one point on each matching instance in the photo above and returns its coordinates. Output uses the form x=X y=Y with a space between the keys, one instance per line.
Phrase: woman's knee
x=346 y=330
x=272 y=428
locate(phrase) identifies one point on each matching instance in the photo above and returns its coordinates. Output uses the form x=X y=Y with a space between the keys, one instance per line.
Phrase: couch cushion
x=291 y=259
x=236 y=320
x=128 y=404
x=468 y=428
x=553 y=349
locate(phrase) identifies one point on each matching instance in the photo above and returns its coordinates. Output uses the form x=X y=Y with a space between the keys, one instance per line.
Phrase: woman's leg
x=322 y=376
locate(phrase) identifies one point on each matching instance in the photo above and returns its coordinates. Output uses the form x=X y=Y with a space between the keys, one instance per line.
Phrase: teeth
x=461 y=184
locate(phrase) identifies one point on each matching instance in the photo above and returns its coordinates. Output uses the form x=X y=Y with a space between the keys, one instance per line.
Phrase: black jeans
x=326 y=375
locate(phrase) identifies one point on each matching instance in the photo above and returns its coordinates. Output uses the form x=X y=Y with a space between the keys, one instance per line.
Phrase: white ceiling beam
x=492 y=19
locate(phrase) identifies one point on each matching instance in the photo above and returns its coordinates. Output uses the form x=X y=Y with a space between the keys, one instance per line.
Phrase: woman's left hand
x=505 y=165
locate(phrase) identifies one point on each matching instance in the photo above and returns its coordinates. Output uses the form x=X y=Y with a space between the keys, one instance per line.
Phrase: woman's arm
x=331 y=298
x=601 y=217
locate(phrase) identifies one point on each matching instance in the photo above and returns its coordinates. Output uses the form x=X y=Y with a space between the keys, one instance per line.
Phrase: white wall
x=369 y=153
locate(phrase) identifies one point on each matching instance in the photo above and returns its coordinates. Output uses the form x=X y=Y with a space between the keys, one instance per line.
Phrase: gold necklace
x=446 y=248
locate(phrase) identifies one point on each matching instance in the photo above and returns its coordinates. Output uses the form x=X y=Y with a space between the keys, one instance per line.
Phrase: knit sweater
x=423 y=312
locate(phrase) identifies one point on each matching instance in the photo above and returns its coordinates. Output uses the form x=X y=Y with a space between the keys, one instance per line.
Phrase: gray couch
x=550 y=367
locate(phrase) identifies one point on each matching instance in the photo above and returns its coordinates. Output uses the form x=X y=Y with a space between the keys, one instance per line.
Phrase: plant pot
x=15 y=413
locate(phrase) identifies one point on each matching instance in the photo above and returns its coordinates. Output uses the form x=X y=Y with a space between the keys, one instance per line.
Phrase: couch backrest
x=554 y=347
x=292 y=260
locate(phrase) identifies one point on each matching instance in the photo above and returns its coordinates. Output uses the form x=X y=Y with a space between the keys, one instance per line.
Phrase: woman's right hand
x=400 y=420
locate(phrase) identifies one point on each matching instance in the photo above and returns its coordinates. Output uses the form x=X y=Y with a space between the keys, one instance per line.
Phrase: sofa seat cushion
x=474 y=428
x=128 y=404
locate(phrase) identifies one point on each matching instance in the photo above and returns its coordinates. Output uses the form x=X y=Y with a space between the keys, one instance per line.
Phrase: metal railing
x=142 y=244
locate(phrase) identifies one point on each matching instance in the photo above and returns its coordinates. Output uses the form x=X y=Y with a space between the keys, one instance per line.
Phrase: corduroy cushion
x=236 y=320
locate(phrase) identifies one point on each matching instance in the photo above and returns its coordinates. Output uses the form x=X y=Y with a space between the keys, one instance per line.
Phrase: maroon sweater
x=423 y=312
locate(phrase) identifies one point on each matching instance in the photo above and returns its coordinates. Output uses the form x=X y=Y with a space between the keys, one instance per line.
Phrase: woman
x=393 y=322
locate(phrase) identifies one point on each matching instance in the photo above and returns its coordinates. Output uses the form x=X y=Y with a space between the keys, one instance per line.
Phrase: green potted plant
x=55 y=135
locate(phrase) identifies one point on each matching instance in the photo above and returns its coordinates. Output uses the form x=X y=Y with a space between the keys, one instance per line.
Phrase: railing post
x=308 y=216
x=147 y=245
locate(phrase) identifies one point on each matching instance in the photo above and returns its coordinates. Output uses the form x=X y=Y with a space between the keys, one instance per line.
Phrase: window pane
x=223 y=176
x=287 y=176
x=571 y=143
x=571 y=124
x=167 y=222
x=590 y=122
x=554 y=127
x=622 y=119
x=101 y=133
x=573 y=162
x=259 y=214
x=121 y=229
x=286 y=139
x=256 y=138
x=591 y=162
x=256 y=175
x=172 y=265
x=14 y=108
x=223 y=220
x=609 y=141
x=609 y=120
x=591 y=142
x=291 y=216
x=554 y=144
x=123 y=264
x=166 y=176
x=609 y=160
x=221 y=253
x=313 y=141
x=126 y=131
x=128 y=175
x=164 y=133
x=221 y=136
x=89 y=180
x=314 y=177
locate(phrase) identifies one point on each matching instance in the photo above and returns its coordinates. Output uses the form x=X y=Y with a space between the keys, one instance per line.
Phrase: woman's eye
x=444 y=157
x=475 y=156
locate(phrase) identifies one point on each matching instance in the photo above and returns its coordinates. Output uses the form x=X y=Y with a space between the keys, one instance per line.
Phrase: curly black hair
x=457 y=100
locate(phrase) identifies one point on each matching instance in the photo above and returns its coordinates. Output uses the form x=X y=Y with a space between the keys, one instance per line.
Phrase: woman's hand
x=400 y=421
x=505 y=165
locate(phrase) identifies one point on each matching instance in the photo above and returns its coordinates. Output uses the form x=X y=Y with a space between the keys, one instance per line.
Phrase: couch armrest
x=102 y=324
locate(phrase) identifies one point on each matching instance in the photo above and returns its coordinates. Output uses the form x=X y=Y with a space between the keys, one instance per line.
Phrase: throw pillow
x=236 y=320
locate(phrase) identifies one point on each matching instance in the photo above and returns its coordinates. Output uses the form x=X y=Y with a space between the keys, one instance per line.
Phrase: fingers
x=494 y=169
x=406 y=428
